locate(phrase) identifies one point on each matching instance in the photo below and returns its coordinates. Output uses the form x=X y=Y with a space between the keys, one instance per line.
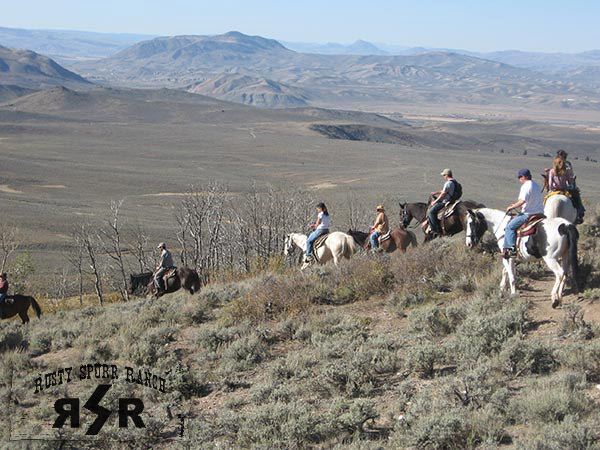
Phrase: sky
x=483 y=25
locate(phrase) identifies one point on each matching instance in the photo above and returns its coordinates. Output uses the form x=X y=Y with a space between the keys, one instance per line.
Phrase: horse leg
x=509 y=267
x=559 y=274
x=24 y=317
x=504 y=279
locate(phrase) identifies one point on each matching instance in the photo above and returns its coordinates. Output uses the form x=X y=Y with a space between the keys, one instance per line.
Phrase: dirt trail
x=547 y=320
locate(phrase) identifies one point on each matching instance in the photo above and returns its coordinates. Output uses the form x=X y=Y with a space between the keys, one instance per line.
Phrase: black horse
x=452 y=225
x=186 y=278
x=19 y=304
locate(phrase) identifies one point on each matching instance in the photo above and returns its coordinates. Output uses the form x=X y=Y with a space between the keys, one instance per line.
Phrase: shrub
x=422 y=357
x=488 y=324
x=582 y=357
x=573 y=323
x=572 y=433
x=553 y=399
x=520 y=357
x=436 y=320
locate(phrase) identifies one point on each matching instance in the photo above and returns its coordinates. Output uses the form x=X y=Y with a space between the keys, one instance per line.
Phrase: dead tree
x=139 y=239
x=110 y=239
x=9 y=243
x=199 y=228
x=87 y=241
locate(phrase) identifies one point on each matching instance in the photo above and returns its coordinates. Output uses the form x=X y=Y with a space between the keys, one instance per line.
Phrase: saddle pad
x=320 y=240
x=530 y=227
x=384 y=237
x=170 y=273
x=553 y=193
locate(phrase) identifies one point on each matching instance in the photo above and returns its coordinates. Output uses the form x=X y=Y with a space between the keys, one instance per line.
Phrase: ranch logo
x=69 y=409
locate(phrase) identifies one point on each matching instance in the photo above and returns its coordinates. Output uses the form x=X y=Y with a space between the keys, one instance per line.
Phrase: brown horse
x=19 y=304
x=400 y=239
x=452 y=225
x=184 y=277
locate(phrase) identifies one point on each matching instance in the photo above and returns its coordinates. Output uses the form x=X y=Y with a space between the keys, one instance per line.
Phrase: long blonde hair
x=559 y=166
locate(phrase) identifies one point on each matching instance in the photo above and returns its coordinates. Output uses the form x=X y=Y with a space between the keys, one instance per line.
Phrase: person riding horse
x=320 y=227
x=165 y=263
x=3 y=291
x=530 y=199
x=562 y=178
x=443 y=198
x=379 y=227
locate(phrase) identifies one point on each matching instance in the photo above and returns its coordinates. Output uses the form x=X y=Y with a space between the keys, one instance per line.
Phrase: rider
x=164 y=264
x=443 y=198
x=559 y=177
x=321 y=226
x=380 y=227
x=571 y=186
x=3 y=291
x=530 y=198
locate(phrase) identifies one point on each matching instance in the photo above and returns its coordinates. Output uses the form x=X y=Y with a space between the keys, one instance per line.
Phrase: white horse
x=337 y=245
x=559 y=205
x=555 y=241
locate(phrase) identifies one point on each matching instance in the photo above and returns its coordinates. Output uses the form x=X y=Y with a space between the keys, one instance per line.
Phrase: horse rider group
x=560 y=178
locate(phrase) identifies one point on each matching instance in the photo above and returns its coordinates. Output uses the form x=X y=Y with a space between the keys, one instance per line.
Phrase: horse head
x=405 y=215
x=288 y=245
x=475 y=227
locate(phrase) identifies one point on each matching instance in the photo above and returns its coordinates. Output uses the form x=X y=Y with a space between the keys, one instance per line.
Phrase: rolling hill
x=31 y=70
x=255 y=91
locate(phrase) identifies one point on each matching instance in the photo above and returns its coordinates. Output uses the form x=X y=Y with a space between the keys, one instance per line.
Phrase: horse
x=400 y=238
x=559 y=205
x=19 y=305
x=337 y=245
x=185 y=278
x=555 y=241
x=453 y=224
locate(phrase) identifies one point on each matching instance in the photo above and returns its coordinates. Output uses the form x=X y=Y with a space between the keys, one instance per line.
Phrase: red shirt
x=3 y=286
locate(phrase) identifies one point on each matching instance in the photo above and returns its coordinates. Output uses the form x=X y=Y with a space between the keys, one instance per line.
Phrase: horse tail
x=413 y=238
x=572 y=236
x=195 y=282
x=36 y=307
x=349 y=247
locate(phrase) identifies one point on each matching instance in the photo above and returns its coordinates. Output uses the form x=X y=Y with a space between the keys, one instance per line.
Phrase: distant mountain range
x=66 y=45
x=263 y=72
x=359 y=47
x=235 y=66
x=539 y=61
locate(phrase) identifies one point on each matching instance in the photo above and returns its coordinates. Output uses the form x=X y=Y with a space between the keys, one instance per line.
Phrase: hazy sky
x=482 y=25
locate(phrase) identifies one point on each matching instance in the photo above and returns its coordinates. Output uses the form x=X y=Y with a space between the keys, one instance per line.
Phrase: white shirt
x=531 y=194
x=325 y=220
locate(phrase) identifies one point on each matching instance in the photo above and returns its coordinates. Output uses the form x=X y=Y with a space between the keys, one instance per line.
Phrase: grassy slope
x=418 y=350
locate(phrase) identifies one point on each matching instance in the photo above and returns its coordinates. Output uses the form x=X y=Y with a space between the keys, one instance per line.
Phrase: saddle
x=530 y=227
x=385 y=237
x=319 y=243
x=171 y=273
x=447 y=210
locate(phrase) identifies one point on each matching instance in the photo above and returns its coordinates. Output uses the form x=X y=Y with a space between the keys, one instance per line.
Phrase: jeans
x=432 y=217
x=510 y=234
x=312 y=237
x=158 y=279
x=375 y=239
